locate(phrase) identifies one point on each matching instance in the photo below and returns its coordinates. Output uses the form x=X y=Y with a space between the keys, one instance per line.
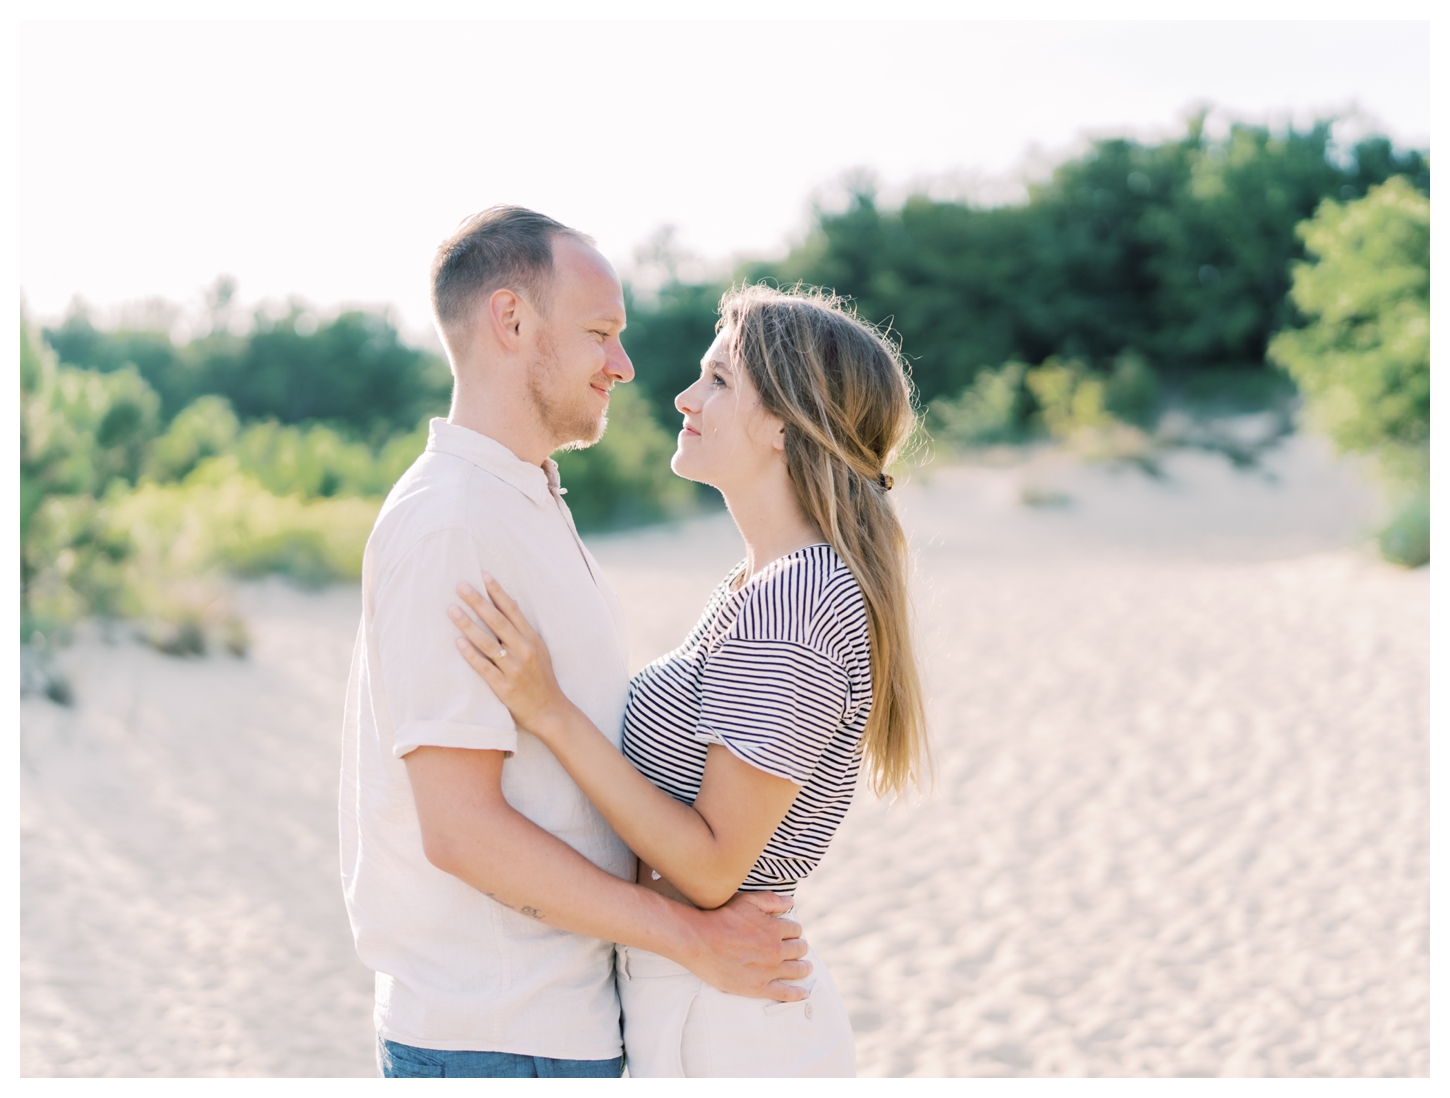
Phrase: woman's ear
x=777 y=440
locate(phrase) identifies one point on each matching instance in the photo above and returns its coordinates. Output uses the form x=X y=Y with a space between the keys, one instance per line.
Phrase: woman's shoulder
x=808 y=596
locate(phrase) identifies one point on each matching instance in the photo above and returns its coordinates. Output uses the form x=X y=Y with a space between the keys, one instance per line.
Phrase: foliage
x=1071 y=399
x=221 y=518
x=122 y=520
x=1132 y=392
x=1363 y=362
x=204 y=429
x=81 y=431
x=318 y=461
x=154 y=468
x=1179 y=251
x=352 y=371
x=127 y=517
x=1061 y=397
x=991 y=410
x=1406 y=540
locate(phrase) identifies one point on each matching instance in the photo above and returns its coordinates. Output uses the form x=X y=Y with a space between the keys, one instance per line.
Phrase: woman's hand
x=509 y=656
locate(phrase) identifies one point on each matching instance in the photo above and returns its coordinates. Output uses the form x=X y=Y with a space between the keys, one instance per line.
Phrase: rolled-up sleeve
x=434 y=698
x=774 y=704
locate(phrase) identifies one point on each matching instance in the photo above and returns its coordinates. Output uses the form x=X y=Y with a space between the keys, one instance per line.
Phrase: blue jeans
x=397 y=1061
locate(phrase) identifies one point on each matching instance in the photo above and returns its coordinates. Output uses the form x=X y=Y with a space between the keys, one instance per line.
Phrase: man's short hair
x=504 y=246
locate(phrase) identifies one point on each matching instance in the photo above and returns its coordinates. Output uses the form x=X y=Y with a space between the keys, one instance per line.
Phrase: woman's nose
x=683 y=404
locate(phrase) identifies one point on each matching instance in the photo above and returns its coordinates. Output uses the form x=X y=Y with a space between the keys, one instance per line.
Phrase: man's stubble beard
x=571 y=425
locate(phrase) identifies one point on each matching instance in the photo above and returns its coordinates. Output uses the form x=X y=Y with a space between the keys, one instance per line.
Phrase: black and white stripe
x=779 y=672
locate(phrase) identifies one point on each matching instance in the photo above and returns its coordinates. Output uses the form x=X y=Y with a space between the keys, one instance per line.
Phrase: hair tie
x=885 y=480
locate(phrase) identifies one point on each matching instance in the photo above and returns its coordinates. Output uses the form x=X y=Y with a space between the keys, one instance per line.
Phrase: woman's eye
x=716 y=381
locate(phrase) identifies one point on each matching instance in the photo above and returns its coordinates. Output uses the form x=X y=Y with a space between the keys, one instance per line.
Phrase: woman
x=741 y=748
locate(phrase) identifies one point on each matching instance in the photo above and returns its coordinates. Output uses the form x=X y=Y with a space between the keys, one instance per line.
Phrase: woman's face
x=728 y=438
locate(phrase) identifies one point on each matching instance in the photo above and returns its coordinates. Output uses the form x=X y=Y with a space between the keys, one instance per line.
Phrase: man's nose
x=618 y=364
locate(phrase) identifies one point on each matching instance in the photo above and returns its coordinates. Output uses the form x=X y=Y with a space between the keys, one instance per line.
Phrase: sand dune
x=1179 y=824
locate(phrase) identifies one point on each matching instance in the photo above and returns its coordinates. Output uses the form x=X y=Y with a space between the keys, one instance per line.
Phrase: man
x=483 y=888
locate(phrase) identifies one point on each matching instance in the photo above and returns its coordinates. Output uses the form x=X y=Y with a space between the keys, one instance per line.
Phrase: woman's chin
x=680 y=466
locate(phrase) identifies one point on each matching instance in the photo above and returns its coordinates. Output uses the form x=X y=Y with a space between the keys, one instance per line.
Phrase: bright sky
x=328 y=159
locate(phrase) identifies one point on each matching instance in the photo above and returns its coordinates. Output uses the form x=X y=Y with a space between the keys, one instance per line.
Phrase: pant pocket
x=406 y=1062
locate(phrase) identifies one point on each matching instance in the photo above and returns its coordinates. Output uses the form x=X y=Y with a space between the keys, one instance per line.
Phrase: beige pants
x=678 y=1026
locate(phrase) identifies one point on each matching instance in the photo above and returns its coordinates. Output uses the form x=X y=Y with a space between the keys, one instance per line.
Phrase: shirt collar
x=492 y=456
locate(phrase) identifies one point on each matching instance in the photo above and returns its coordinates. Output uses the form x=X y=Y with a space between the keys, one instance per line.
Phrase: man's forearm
x=522 y=866
x=471 y=831
x=515 y=862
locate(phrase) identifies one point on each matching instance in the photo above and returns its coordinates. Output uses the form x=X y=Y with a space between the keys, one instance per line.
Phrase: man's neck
x=509 y=419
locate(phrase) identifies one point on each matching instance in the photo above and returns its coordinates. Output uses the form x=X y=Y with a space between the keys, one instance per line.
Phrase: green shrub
x=1363 y=360
x=222 y=520
x=1066 y=398
x=989 y=411
x=1131 y=391
x=184 y=541
x=1070 y=398
x=1406 y=540
x=205 y=428
x=311 y=461
x=82 y=435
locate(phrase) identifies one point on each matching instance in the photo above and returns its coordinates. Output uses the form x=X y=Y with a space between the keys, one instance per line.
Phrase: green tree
x=83 y=437
x=1178 y=249
x=353 y=371
x=1363 y=360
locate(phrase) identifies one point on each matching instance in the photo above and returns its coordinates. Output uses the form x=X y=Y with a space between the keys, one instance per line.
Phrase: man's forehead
x=580 y=258
x=587 y=274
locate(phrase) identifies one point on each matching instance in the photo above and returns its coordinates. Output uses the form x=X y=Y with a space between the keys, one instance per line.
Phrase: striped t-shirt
x=779 y=672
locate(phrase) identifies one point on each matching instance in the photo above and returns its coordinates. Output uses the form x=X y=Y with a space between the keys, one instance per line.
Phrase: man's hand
x=470 y=831
x=744 y=949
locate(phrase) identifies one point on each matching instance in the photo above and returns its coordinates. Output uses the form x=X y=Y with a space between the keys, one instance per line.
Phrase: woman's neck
x=770 y=520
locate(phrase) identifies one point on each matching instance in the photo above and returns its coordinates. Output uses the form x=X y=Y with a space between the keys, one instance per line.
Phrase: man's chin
x=586 y=435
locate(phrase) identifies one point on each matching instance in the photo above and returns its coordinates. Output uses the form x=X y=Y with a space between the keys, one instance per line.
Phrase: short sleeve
x=775 y=704
x=435 y=699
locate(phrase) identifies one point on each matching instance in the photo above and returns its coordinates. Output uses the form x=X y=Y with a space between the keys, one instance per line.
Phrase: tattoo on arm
x=531 y=912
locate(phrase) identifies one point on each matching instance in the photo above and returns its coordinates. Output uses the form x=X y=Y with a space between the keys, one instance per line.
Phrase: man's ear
x=505 y=316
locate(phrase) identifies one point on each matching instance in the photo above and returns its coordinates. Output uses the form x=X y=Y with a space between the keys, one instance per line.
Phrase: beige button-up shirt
x=455 y=970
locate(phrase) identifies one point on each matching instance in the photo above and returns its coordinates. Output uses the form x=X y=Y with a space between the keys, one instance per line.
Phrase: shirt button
x=808 y=1010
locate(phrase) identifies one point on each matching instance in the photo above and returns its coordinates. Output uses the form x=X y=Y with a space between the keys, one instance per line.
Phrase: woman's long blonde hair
x=846 y=401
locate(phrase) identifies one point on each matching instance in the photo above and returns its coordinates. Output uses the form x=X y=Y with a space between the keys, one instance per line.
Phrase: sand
x=1179 y=823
